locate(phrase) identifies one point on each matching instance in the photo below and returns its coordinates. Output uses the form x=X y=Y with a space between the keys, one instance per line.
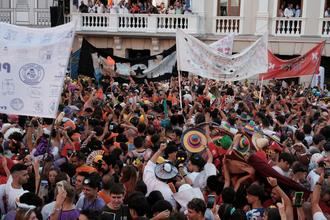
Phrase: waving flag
x=304 y=65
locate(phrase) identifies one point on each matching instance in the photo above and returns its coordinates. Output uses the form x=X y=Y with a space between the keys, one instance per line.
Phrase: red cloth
x=265 y=170
x=64 y=151
x=325 y=208
x=3 y=176
x=10 y=163
x=306 y=64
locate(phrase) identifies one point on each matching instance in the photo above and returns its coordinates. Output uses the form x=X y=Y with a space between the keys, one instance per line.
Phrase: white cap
x=184 y=187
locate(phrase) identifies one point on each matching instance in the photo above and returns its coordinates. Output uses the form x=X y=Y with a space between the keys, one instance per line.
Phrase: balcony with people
x=228 y=19
x=136 y=16
x=163 y=17
x=289 y=21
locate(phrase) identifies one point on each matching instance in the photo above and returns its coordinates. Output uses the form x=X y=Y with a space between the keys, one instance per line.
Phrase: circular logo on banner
x=17 y=104
x=31 y=74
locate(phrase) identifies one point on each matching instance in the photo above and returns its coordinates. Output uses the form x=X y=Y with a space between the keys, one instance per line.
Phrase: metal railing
x=227 y=24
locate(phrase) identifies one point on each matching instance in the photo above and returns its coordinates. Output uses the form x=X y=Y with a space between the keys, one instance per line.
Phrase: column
x=262 y=17
x=198 y=8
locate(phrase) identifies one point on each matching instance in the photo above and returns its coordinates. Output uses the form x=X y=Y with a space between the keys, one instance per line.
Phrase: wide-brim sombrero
x=260 y=141
x=244 y=145
x=166 y=171
x=194 y=140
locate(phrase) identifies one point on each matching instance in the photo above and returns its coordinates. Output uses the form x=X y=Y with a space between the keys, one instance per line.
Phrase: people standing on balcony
x=83 y=8
x=289 y=12
x=297 y=12
x=90 y=6
x=161 y=8
x=98 y=7
x=327 y=12
x=281 y=11
x=135 y=9
x=178 y=7
x=171 y=10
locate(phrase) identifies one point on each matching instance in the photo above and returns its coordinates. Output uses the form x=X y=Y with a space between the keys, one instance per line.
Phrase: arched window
x=228 y=7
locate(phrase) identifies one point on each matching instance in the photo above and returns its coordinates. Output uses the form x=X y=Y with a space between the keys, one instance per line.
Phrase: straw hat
x=166 y=171
x=259 y=141
x=243 y=146
x=194 y=140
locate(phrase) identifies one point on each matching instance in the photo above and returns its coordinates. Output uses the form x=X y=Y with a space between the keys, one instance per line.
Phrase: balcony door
x=228 y=7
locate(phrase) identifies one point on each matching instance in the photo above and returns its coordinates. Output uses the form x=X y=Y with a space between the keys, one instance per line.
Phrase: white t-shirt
x=153 y=183
x=309 y=139
x=200 y=180
x=2 y=192
x=319 y=216
x=280 y=171
x=47 y=210
x=12 y=195
x=288 y=12
x=312 y=179
x=192 y=176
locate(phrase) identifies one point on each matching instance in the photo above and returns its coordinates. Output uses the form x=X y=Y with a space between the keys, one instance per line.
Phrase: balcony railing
x=21 y=16
x=5 y=15
x=287 y=26
x=227 y=24
x=325 y=27
x=153 y=23
x=42 y=17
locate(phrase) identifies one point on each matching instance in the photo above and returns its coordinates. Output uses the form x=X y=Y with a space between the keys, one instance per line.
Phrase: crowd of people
x=135 y=7
x=130 y=151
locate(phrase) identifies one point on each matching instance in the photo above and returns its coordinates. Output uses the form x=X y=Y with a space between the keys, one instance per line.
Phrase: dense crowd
x=129 y=151
x=135 y=7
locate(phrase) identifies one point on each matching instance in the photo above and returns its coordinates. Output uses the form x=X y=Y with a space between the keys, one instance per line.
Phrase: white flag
x=165 y=66
x=198 y=58
x=33 y=65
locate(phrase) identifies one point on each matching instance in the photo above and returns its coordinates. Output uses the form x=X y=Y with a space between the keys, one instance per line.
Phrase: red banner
x=304 y=65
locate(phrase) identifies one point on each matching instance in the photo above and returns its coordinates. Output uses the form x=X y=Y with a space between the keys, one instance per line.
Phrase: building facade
x=209 y=21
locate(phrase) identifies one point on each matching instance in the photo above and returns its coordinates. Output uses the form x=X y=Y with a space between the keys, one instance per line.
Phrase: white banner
x=33 y=65
x=196 y=57
x=165 y=66
x=224 y=45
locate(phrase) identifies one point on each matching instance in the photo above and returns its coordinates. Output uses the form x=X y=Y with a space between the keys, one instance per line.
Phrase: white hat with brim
x=166 y=171
x=260 y=141
x=183 y=197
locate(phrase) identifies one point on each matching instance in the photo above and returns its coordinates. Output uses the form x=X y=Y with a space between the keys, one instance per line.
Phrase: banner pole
x=261 y=85
x=180 y=93
x=179 y=73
